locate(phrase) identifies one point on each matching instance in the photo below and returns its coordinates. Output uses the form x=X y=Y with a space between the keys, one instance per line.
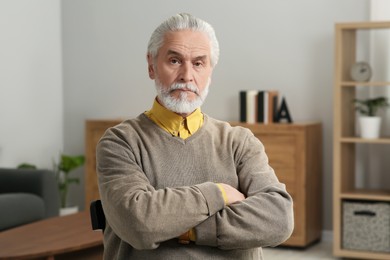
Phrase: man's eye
x=198 y=64
x=175 y=61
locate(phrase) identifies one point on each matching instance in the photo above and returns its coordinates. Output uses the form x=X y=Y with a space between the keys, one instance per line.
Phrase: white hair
x=181 y=22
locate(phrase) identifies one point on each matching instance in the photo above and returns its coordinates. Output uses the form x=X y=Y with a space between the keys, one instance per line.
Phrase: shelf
x=383 y=140
x=363 y=25
x=346 y=142
x=364 y=194
x=362 y=254
x=367 y=84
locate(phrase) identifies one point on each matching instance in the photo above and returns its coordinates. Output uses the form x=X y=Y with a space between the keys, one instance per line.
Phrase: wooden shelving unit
x=345 y=139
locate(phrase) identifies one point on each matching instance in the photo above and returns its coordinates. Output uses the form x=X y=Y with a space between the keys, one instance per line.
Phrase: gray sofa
x=27 y=196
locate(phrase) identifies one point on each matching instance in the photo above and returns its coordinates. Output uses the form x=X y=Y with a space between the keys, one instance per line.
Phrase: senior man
x=178 y=184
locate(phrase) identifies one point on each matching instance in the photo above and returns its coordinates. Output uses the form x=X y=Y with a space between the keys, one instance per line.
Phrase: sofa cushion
x=20 y=208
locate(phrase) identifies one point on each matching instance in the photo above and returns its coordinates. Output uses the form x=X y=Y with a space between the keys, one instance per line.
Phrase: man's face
x=183 y=58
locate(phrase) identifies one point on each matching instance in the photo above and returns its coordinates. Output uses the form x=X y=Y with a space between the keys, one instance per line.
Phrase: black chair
x=98 y=219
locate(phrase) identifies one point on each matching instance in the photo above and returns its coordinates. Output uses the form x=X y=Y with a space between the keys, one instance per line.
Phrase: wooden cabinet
x=94 y=130
x=295 y=153
x=345 y=140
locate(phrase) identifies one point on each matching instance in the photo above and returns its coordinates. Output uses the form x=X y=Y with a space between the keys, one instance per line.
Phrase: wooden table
x=68 y=237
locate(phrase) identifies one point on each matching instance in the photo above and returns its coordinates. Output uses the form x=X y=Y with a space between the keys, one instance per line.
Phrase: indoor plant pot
x=370 y=123
x=68 y=210
x=63 y=168
x=370 y=126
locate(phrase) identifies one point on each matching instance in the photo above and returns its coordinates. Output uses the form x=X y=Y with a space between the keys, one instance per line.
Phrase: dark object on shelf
x=283 y=113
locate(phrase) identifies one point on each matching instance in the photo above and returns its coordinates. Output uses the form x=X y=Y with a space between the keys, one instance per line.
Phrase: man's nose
x=186 y=73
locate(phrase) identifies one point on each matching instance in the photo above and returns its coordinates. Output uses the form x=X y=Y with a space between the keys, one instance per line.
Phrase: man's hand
x=232 y=194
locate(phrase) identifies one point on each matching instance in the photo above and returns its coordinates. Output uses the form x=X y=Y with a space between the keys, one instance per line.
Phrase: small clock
x=361 y=71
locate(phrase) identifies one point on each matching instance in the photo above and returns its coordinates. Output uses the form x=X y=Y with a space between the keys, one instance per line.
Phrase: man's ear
x=150 y=66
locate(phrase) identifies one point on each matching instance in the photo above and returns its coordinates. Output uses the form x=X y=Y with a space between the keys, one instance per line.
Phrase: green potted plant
x=369 y=121
x=63 y=169
x=27 y=166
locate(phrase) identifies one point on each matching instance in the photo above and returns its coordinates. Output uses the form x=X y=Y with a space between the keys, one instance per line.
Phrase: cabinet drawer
x=281 y=151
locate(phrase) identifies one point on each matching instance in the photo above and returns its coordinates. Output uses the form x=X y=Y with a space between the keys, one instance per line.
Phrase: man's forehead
x=186 y=41
x=201 y=55
x=187 y=33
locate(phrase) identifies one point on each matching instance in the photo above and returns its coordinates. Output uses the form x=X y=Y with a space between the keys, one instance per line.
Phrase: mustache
x=183 y=86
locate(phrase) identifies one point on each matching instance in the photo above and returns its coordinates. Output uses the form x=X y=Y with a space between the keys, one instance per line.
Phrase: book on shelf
x=258 y=106
x=251 y=106
x=273 y=99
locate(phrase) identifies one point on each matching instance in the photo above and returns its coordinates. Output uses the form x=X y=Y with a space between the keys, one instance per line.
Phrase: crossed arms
x=257 y=213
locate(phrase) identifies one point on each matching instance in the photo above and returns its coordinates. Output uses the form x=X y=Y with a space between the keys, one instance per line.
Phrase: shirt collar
x=173 y=122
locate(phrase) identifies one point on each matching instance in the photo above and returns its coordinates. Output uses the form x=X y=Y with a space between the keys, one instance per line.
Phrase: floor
x=319 y=251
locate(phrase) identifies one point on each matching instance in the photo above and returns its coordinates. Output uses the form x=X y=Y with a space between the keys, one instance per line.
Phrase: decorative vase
x=370 y=126
x=68 y=210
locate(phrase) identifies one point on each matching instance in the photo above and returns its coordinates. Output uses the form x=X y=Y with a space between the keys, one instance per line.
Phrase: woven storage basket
x=366 y=226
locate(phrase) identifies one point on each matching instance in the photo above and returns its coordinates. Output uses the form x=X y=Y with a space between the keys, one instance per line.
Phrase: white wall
x=31 y=112
x=283 y=45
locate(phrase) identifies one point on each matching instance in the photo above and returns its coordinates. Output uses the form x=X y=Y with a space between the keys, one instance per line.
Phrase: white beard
x=181 y=104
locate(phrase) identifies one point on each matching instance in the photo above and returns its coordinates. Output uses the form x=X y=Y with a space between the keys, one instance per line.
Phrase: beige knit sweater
x=155 y=187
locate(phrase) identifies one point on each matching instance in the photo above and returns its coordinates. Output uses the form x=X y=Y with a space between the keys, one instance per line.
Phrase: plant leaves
x=73 y=180
x=370 y=106
x=26 y=166
x=69 y=163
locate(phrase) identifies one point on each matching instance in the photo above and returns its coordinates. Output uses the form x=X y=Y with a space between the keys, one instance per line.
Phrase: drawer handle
x=364 y=213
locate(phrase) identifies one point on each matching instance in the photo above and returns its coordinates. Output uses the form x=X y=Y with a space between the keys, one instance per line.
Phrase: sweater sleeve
x=139 y=214
x=264 y=218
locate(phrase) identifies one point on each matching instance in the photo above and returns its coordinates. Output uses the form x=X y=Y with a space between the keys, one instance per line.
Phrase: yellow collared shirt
x=173 y=123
